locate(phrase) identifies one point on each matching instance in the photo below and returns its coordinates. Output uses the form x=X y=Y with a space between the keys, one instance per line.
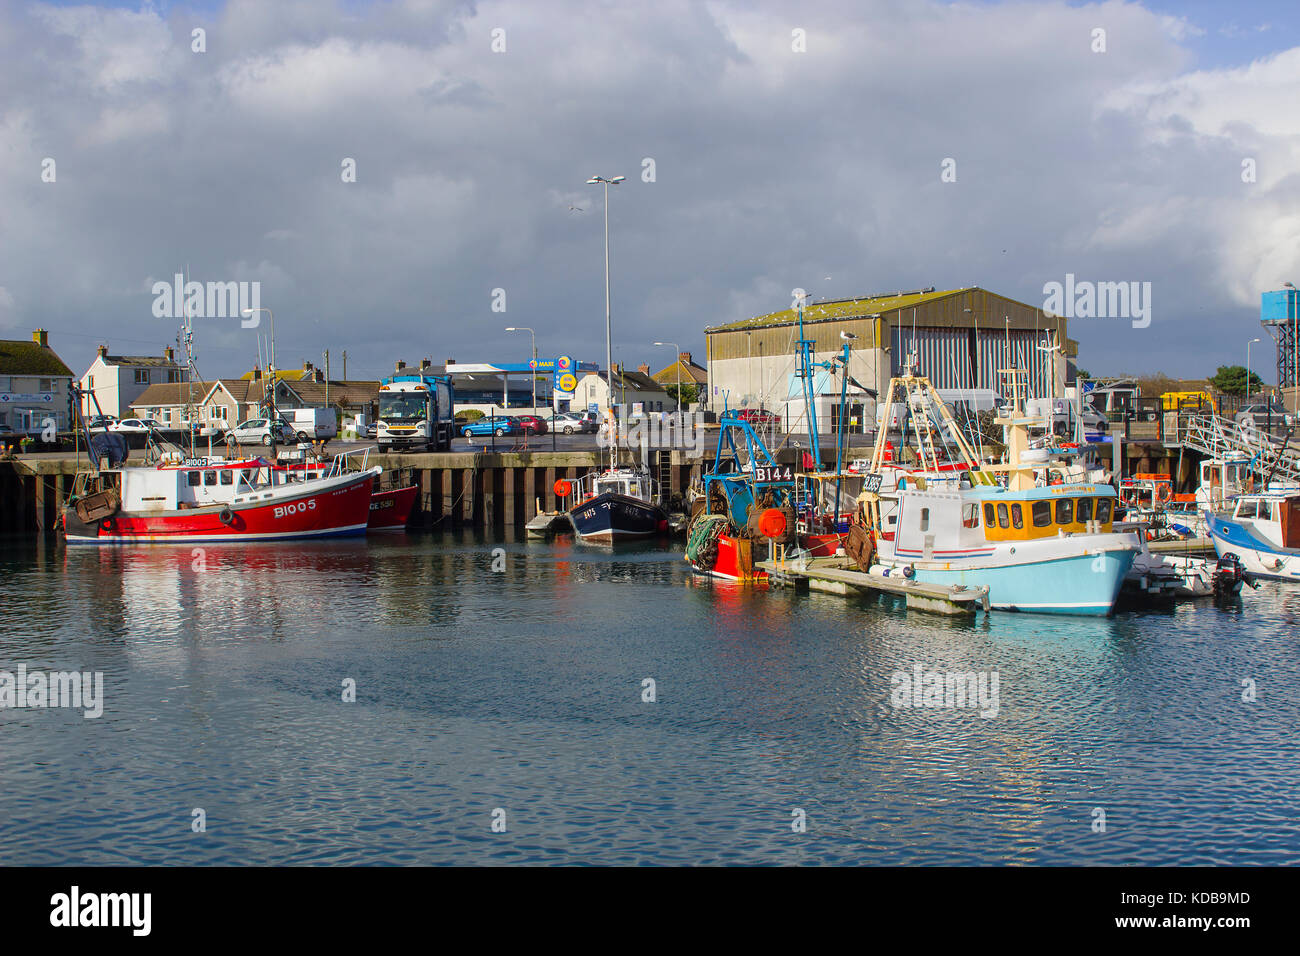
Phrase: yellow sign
x=568 y=382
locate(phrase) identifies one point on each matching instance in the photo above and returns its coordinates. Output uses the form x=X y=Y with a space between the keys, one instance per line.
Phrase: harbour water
x=518 y=696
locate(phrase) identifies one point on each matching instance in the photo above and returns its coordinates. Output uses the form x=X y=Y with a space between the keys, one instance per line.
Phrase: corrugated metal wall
x=944 y=356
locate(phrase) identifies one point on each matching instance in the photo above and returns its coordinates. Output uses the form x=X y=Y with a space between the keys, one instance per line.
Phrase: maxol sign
x=564 y=370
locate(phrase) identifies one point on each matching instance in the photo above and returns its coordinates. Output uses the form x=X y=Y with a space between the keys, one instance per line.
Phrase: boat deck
x=835 y=575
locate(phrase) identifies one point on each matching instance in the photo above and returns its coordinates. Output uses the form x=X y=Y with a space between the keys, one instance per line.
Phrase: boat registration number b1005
x=285 y=510
x=773 y=473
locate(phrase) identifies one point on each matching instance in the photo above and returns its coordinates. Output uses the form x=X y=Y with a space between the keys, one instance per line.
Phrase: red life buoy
x=563 y=488
x=771 y=523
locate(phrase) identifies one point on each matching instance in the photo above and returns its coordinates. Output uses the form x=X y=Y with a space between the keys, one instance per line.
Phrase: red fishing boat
x=391 y=509
x=214 y=499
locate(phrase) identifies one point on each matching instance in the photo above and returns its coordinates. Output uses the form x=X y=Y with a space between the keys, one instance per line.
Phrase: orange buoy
x=563 y=488
x=771 y=523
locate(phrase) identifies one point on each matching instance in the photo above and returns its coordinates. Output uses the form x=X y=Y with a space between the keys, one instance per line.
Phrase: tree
x=1231 y=380
x=690 y=392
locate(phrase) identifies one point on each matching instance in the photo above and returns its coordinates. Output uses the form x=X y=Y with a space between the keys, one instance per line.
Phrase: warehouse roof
x=840 y=308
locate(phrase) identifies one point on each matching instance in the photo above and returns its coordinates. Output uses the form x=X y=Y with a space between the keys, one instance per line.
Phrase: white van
x=312 y=424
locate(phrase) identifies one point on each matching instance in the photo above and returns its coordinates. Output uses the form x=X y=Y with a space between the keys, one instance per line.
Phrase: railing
x=1218 y=437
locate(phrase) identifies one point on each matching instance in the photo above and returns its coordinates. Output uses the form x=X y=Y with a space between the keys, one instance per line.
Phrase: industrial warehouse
x=961 y=338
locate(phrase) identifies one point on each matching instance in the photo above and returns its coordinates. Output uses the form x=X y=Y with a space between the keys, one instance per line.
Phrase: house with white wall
x=34 y=385
x=116 y=381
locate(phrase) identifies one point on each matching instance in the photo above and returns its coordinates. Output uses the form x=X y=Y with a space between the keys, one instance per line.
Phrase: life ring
x=771 y=523
x=106 y=524
x=226 y=516
x=563 y=488
x=1164 y=491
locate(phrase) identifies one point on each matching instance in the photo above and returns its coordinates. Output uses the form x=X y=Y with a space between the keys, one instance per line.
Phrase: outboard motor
x=1229 y=576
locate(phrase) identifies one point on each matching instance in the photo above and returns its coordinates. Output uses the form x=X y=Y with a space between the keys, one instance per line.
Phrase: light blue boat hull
x=1081 y=584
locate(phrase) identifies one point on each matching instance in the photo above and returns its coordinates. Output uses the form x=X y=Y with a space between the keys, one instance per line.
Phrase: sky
x=846 y=147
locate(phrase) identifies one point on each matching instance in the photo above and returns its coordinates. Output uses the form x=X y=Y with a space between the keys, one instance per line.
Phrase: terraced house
x=33 y=385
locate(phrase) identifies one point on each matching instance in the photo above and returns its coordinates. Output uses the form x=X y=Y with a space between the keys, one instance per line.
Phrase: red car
x=531 y=424
x=759 y=416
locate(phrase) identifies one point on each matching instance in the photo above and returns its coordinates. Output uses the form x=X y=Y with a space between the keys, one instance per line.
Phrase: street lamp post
x=533 y=337
x=609 y=349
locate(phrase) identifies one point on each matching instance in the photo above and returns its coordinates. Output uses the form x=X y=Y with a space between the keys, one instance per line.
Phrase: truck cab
x=415 y=411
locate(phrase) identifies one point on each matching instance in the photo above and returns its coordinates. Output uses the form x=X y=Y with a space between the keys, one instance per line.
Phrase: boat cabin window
x=1003 y=520
x=1247 y=508
x=925 y=519
x=1042 y=514
x=1103 y=510
x=970 y=516
x=1266 y=510
x=193 y=478
x=1065 y=511
x=227 y=476
x=209 y=477
x=1017 y=516
x=1083 y=513
x=990 y=518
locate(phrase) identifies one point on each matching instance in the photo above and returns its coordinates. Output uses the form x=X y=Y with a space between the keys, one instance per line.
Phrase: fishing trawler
x=1038 y=547
x=746 y=495
x=616 y=504
x=202 y=499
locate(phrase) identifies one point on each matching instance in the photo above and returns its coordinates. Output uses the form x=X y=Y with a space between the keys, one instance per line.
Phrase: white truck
x=312 y=424
x=416 y=411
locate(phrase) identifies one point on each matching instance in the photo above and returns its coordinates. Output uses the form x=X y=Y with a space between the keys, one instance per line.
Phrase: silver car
x=262 y=430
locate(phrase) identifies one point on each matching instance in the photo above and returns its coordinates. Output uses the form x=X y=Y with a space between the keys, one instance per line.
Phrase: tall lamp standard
x=532 y=335
x=607 y=181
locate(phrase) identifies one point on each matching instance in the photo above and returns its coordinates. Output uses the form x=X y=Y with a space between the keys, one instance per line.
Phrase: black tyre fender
x=226 y=516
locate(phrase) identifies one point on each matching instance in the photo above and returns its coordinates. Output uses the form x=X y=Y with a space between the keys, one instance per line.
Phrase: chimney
x=643 y=369
x=400 y=365
x=425 y=363
x=618 y=369
x=257 y=374
x=684 y=357
x=167 y=354
x=41 y=338
x=306 y=366
x=450 y=362
x=103 y=351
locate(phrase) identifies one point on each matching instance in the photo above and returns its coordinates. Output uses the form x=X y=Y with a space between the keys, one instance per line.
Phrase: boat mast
x=809 y=386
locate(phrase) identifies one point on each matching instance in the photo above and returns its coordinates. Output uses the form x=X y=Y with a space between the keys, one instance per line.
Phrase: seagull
x=577 y=209
x=847 y=336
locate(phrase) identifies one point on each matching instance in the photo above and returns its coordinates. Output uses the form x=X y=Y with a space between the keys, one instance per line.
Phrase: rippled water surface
x=521 y=690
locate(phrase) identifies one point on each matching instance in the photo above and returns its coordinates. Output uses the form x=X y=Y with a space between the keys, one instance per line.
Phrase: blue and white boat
x=1263 y=531
x=1044 y=548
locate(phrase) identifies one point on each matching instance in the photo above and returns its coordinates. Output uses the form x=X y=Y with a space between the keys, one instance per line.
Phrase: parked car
x=532 y=424
x=262 y=430
x=1260 y=414
x=372 y=430
x=135 y=426
x=7 y=432
x=101 y=423
x=497 y=425
x=759 y=416
x=1093 y=420
x=570 y=422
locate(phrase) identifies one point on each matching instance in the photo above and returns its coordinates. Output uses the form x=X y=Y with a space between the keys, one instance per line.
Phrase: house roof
x=690 y=372
x=152 y=361
x=636 y=380
x=172 y=393
x=24 y=357
x=840 y=308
